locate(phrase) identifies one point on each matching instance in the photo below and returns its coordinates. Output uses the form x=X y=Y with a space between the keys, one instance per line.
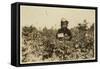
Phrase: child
x=64 y=33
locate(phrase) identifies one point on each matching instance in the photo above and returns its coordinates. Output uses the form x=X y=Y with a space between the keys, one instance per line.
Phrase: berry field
x=42 y=45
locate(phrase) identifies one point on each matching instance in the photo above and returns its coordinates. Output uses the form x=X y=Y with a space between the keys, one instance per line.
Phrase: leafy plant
x=42 y=45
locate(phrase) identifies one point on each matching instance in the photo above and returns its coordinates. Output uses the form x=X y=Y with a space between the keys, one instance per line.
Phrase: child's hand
x=66 y=37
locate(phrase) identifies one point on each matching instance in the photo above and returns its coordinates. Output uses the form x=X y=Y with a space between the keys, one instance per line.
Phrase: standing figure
x=64 y=33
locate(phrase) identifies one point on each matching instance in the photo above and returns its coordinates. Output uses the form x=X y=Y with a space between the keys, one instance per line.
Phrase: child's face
x=64 y=25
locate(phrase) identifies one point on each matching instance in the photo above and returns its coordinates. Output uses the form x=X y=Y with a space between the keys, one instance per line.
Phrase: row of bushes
x=42 y=45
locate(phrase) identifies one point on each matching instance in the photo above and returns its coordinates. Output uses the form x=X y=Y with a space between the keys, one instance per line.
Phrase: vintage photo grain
x=52 y=34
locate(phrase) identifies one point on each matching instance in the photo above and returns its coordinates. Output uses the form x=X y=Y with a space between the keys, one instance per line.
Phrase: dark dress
x=64 y=31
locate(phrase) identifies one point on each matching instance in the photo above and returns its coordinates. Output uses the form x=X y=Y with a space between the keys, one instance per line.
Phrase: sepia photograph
x=56 y=34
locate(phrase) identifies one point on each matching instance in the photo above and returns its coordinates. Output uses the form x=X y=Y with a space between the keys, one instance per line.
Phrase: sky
x=50 y=17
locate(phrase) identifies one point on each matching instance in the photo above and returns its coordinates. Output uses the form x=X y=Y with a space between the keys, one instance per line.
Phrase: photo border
x=18 y=4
